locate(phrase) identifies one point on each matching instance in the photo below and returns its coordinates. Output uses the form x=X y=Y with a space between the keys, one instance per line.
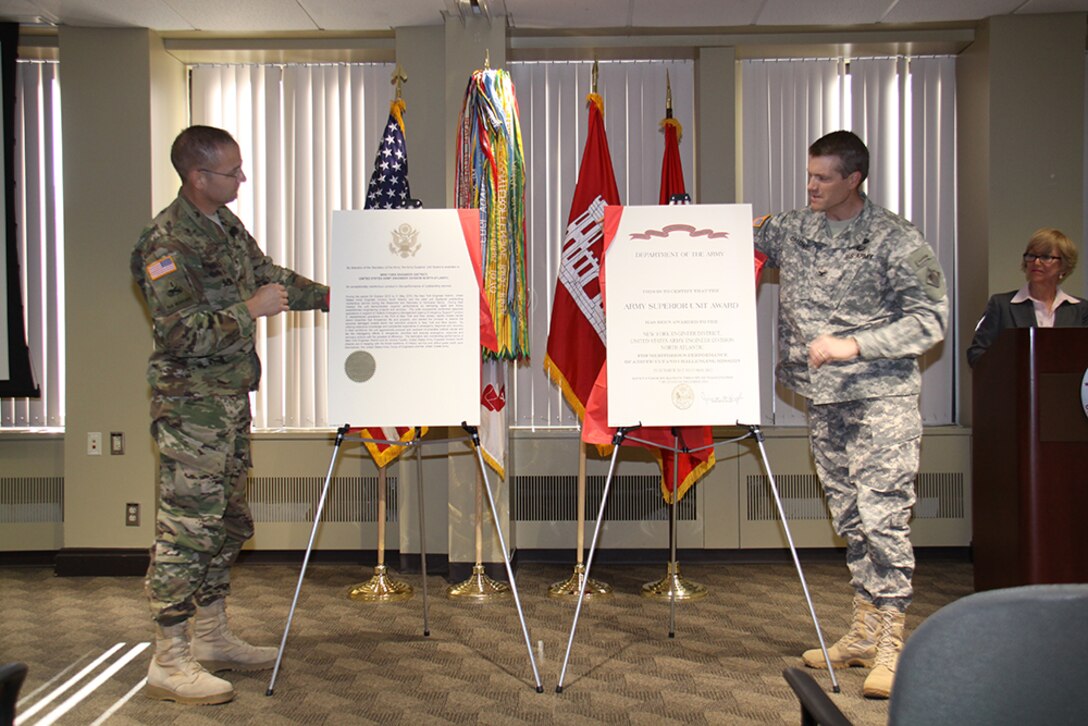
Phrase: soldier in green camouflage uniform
x=861 y=296
x=205 y=282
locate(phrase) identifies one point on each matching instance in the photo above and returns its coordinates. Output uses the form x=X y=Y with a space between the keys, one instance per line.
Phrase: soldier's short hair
x=197 y=147
x=1051 y=241
x=850 y=150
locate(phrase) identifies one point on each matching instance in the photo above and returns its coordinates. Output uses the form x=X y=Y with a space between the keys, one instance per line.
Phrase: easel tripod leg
x=422 y=530
x=758 y=434
x=589 y=564
x=506 y=558
x=340 y=433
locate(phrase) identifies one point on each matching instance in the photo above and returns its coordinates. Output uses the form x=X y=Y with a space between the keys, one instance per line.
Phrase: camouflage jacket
x=877 y=282
x=196 y=278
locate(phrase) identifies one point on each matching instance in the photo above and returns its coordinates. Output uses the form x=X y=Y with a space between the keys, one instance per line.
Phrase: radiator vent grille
x=940 y=496
x=31 y=499
x=801 y=494
x=295 y=498
x=632 y=498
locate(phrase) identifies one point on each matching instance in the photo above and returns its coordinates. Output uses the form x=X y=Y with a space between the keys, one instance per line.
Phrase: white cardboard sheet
x=404 y=343
x=680 y=306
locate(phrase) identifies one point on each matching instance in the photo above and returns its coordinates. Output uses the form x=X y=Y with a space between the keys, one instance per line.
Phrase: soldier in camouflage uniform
x=861 y=296
x=205 y=282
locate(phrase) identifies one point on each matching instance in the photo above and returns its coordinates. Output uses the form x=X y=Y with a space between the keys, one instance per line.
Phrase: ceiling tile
x=921 y=11
x=558 y=14
x=664 y=14
x=245 y=15
x=374 y=15
x=838 y=12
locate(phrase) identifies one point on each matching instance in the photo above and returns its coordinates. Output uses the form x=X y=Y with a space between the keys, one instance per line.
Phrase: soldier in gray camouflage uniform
x=861 y=296
x=205 y=282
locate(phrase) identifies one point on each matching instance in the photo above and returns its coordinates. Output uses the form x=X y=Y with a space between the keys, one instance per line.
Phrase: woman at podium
x=1048 y=259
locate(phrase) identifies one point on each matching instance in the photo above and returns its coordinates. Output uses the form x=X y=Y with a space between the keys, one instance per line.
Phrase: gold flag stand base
x=573 y=585
x=381 y=588
x=478 y=587
x=674 y=582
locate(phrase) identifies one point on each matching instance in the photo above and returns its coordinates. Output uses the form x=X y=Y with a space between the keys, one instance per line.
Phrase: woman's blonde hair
x=1051 y=241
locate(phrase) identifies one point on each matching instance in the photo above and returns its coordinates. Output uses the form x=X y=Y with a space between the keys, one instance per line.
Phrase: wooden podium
x=1029 y=457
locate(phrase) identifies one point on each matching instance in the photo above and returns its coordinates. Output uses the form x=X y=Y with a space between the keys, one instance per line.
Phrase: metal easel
x=753 y=432
x=341 y=434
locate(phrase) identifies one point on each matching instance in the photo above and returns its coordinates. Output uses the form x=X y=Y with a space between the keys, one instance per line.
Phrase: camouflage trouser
x=866 y=455
x=203 y=517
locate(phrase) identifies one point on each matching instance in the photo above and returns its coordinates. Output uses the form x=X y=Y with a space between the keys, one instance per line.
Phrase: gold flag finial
x=593 y=82
x=398 y=79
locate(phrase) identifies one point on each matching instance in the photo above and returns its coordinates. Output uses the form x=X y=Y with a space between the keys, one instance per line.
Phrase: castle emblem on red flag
x=493 y=400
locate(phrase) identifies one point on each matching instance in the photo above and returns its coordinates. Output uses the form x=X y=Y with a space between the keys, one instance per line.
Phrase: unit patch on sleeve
x=173 y=292
x=927 y=269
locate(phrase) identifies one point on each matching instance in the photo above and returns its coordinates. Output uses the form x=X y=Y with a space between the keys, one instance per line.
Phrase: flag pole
x=674 y=587
x=479 y=587
x=573 y=585
x=380 y=587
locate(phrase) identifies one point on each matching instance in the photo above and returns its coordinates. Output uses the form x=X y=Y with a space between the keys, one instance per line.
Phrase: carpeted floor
x=348 y=662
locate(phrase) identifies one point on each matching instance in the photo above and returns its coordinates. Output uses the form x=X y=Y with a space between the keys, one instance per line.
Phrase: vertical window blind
x=904 y=110
x=308 y=134
x=552 y=103
x=39 y=203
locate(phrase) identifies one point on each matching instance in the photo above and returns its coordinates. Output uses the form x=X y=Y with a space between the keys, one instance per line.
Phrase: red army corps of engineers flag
x=576 y=336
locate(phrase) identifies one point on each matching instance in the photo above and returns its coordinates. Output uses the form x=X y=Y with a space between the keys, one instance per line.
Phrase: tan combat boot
x=175 y=676
x=218 y=649
x=857 y=647
x=878 y=684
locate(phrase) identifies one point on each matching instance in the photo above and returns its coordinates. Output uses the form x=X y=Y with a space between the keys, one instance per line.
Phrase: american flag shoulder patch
x=161 y=267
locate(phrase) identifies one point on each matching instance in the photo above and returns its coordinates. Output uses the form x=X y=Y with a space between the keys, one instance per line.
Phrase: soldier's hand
x=828 y=348
x=270 y=299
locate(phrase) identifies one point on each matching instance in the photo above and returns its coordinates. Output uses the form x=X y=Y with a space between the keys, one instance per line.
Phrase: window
x=904 y=109
x=39 y=204
x=308 y=135
x=552 y=103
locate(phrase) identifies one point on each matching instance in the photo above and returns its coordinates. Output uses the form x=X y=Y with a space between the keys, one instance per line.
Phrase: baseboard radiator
x=26 y=500
x=295 y=498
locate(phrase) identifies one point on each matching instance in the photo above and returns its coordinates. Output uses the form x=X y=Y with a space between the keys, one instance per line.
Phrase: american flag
x=389 y=181
x=158 y=268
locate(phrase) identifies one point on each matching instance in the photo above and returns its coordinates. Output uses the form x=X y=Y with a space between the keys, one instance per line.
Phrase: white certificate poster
x=680 y=306
x=404 y=314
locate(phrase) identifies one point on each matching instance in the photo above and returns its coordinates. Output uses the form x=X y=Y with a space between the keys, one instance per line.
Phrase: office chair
x=1013 y=656
x=11 y=680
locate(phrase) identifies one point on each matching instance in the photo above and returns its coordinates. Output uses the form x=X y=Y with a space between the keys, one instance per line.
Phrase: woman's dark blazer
x=1002 y=313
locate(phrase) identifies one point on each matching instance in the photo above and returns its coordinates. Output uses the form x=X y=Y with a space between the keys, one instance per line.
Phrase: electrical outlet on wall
x=132 y=514
x=94 y=443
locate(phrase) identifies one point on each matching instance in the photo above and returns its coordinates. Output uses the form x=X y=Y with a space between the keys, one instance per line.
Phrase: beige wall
x=115 y=119
x=1020 y=104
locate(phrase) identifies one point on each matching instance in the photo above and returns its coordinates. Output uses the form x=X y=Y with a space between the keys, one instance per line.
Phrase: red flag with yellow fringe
x=576 y=336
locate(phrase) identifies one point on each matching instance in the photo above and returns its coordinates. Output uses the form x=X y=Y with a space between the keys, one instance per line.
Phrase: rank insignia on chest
x=161 y=268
